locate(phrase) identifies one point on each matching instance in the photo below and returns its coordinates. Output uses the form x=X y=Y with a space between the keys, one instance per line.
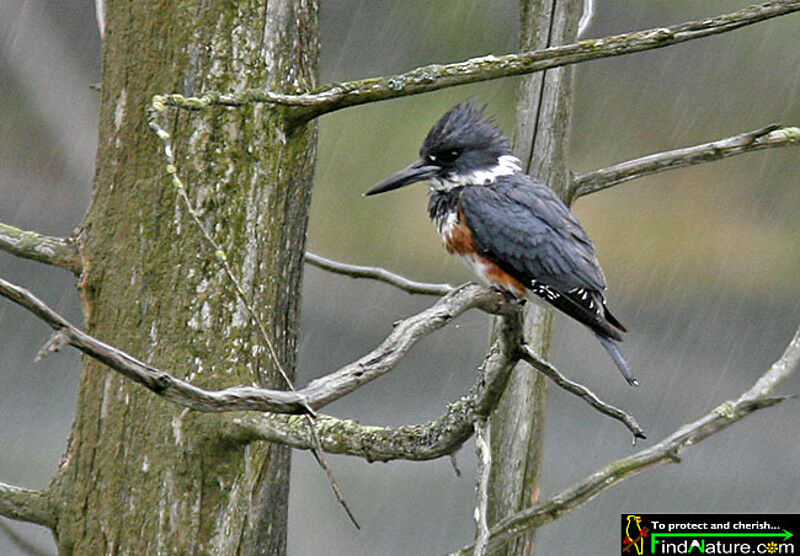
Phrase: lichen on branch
x=335 y=96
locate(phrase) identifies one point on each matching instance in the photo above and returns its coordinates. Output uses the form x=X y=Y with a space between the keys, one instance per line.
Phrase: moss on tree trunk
x=141 y=475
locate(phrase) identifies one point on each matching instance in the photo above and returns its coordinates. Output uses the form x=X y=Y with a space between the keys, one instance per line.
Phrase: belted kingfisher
x=514 y=232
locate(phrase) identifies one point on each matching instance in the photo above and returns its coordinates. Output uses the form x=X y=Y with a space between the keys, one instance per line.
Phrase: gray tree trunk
x=141 y=476
x=540 y=139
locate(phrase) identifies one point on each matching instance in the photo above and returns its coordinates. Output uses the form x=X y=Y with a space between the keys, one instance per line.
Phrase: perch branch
x=431 y=440
x=666 y=451
x=379 y=274
x=531 y=357
x=424 y=79
x=767 y=137
x=406 y=332
x=326 y=389
x=251 y=398
x=22 y=504
x=50 y=250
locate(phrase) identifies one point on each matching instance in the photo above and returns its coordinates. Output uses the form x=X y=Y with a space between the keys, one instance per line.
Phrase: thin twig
x=483 y=446
x=317 y=451
x=219 y=253
x=221 y=256
x=531 y=357
x=767 y=137
x=55 y=251
x=22 y=504
x=434 y=77
x=379 y=274
x=667 y=451
x=454 y=464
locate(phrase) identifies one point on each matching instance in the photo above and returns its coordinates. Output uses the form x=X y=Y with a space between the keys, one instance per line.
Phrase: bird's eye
x=450 y=155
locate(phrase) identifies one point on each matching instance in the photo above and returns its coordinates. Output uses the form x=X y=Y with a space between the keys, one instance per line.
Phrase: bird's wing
x=528 y=231
x=525 y=227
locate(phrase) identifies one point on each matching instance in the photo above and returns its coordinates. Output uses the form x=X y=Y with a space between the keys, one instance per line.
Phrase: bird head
x=462 y=148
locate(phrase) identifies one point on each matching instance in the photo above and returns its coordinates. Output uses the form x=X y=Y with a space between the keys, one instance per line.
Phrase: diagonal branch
x=767 y=137
x=33 y=506
x=431 y=440
x=434 y=77
x=757 y=397
x=50 y=250
x=533 y=359
x=251 y=398
x=379 y=274
x=458 y=420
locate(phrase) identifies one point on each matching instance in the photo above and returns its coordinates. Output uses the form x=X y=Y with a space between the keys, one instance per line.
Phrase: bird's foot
x=510 y=297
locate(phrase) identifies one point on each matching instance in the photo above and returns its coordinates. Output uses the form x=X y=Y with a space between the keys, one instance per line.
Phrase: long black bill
x=418 y=171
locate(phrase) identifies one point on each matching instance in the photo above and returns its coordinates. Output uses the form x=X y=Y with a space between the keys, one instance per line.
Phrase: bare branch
x=50 y=250
x=437 y=438
x=22 y=504
x=767 y=137
x=532 y=358
x=251 y=398
x=777 y=373
x=379 y=274
x=434 y=77
x=666 y=451
x=406 y=333
x=319 y=456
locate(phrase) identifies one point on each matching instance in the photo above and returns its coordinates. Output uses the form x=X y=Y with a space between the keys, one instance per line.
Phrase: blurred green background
x=702 y=263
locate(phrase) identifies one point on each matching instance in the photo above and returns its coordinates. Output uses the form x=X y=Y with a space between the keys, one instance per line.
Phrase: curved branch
x=457 y=421
x=666 y=451
x=767 y=137
x=532 y=358
x=431 y=440
x=434 y=77
x=377 y=273
x=406 y=333
x=251 y=398
x=22 y=504
x=50 y=250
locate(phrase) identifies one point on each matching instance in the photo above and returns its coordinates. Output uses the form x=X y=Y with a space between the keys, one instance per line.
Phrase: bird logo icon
x=634 y=535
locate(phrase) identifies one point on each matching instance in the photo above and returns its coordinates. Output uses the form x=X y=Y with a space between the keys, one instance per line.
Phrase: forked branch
x=319 y=392
x=251 y=398
x=434 y=439
x=759 y=396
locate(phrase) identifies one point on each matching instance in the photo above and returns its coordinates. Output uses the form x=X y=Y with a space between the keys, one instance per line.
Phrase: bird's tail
x=619 y=359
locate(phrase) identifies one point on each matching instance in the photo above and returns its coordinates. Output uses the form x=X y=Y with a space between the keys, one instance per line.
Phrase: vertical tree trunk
x=543 y=118
x=141 y=476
